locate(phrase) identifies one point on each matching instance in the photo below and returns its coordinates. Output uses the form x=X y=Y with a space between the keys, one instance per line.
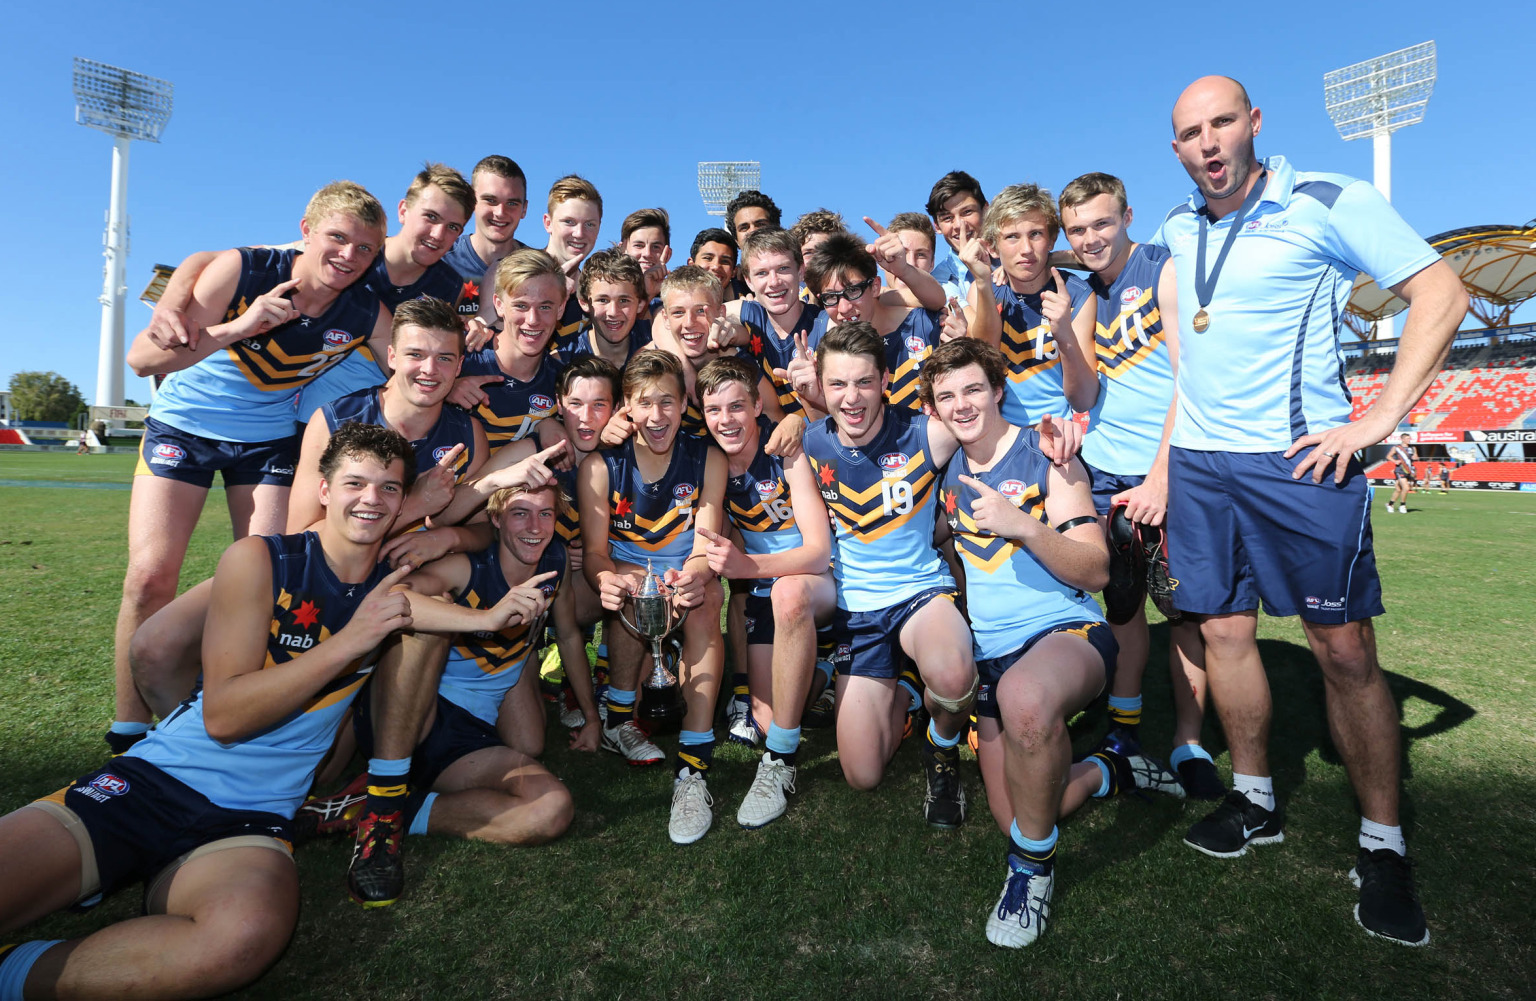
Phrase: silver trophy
x=656 y=621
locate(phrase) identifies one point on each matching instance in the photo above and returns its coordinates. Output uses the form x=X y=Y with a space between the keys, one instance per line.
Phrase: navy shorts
x=188 y=458
x=1241 y=532
x=139 y=821
x=869 y=643
x=456 y=732
x=991 y=670
x=759 y=612
x=1107 y=485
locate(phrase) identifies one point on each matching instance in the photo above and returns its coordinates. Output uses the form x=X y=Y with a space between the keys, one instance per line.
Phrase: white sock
x=1260 y=789
x=1374 y=836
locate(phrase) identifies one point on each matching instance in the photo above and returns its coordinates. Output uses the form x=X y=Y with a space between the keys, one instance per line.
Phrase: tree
x=45 y=396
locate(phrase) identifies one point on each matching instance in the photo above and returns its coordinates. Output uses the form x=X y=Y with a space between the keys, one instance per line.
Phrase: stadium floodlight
x=722 y=180
x=1376 y=98
x=126 y=106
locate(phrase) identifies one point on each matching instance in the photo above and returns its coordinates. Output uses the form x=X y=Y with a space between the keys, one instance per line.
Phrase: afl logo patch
x=916 y=345
x=767 y=488
x=110 y=784
x=168 y=451
x=538 y=401
x=548 y=589
x=440 y=451
x=683 y=491
x=1011 y=488
x=1130 y=295
x=337 y=338
x=894 y=462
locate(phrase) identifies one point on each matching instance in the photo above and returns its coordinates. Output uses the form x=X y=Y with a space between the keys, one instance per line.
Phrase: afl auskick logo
x=337 y=338
x=1130 y=295
x=538 y=401
x=894 y=462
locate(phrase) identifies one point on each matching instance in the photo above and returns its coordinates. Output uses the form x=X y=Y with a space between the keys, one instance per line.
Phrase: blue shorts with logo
x=141 y=821
x=1107 y=485
x=868 y=644
x=188 y=458
x=759 y=614
x=456 y=732
x=1241 y=531
x=991 y=670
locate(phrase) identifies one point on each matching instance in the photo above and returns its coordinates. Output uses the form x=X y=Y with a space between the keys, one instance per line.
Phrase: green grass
x=851 y=895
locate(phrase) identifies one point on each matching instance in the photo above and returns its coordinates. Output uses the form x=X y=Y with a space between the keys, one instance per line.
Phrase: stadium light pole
x=1376 y=98
x=126 y=106
x=722 y=180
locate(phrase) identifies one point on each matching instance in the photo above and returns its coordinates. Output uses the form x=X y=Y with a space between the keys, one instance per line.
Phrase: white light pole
x=127 y=106
x=722 y=180
x=1376 y=98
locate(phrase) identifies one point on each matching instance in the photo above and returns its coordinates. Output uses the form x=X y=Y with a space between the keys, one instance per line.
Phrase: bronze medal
x=1201 y=321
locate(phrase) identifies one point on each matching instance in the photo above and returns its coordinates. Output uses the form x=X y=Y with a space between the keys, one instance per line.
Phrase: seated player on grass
x=774 y=504
x=472 y=773
x=1032 y=551
x=644 y=500
x=200 y=810
x=877 y=466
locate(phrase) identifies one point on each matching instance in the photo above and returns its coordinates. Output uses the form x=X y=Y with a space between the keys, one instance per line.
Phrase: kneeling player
x=200 y=809
x=784 y=527
x=1032 y=551
x=877 y=465
x=640 y=502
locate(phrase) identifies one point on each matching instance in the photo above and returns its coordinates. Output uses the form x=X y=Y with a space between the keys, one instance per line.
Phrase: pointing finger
x=450 y=456
x=879 y=229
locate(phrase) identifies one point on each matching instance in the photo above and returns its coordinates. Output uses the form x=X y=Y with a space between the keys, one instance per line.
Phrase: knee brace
x=962 y=704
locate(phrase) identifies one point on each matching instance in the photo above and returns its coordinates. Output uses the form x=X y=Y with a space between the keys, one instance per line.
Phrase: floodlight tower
x=127 y=106
x=1376 y=98
x=722 y=180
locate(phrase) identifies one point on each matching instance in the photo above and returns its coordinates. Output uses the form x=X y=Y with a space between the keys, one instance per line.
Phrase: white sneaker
x=765 y=802
x=630 y=741
x=572 y=718
x=691 y=813
x=1023 y=908
x=742 y=730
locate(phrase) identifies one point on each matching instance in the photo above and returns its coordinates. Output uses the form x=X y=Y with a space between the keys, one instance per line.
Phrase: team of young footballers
x=473 y=444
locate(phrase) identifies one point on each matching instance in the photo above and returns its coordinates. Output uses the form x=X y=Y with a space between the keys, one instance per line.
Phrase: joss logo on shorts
x=336 y=338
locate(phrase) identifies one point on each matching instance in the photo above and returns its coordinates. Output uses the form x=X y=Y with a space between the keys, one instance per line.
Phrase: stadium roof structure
x=1496 y=264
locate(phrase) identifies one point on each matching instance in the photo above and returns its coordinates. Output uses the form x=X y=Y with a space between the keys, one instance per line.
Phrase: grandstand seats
x=1481 y=472
x=1480 y=398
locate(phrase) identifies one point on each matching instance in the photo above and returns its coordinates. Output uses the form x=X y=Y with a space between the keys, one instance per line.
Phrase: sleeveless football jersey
x=272 y=770
x=906 y=348
x=881 y=499
x=1029 y=348
x=772 y=351
x=654 y=520
x=453 y=427
x=440 y=281
x=580 y=342
x=758 y=502
x=515 y=407
x=245 y=392
x=461 y=257
x=483 y=667
x=1010 y=596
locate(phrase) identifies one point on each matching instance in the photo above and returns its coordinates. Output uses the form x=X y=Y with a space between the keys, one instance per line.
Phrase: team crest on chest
x=337 y=338
x=682 y=494
x=1130 y=295
x=894 y=463
x=1011 y=489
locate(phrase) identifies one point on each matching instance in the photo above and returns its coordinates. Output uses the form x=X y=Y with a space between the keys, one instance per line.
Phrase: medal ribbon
x=1206 y=287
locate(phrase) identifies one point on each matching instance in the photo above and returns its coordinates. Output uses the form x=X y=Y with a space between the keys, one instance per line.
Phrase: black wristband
x=1067 y=526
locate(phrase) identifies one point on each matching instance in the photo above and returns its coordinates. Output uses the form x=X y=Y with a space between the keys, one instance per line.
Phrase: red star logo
x=471 y=290
x=756 y=344
x=623 y=507
x=949 y=502
x=307 y=615
x=827 y=474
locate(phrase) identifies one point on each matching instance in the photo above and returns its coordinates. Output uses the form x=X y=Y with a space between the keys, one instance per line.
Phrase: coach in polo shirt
x=1266 y=500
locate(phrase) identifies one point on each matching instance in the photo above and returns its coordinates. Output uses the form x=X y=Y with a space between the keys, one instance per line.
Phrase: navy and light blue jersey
x=461 y=257
x=513 y=408
x=1268 y=369
x=355 y=373
x=1135 y=369
x=245 y=392
x=906 y=348
x=568 y=348
x=1010 y=596
x=758 y=503
x=570 y=320
x=568 y=521
x=272 y=770
x=440 y=281
x=483 y=666
x=881 y=500
x=654 y=521
x=771 y=351
x=1029 y=347
x=454 y=426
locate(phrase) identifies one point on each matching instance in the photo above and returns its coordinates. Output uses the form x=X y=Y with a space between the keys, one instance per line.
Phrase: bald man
x=1266 y=499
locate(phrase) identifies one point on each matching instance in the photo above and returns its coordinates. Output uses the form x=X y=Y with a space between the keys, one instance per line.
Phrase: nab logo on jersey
x=894 y=462
x=306 y=616
x=538 y=401
x=170 y=453
x=684 y=494
x=1130 y=295
x=440 y=451
x=335 y=338
x=1011 y=489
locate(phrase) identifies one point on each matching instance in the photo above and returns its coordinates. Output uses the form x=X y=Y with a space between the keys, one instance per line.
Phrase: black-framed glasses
x=853 y=293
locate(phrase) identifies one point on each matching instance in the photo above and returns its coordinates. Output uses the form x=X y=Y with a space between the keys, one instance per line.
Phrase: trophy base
x=661 y=709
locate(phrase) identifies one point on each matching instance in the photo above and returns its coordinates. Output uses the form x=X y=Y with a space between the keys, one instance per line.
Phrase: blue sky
x=846 y=109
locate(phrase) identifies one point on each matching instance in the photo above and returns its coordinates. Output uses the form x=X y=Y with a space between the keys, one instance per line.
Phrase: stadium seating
x=1480 y=472
x=1498 y=392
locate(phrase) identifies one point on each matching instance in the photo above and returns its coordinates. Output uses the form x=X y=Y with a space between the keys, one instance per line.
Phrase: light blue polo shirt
x=954 y=276
x=1268 y=368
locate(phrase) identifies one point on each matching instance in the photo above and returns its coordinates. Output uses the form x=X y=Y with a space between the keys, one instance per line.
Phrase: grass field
x=851 y=895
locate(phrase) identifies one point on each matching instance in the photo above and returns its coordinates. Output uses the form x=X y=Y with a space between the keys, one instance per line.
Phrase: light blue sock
x=419 y=823
x=933 y=735
x=1184 y=752
x=782 y=741
x=620 y=697
x=389 y=767
x=825 y=667
x=693 y=738
x=1041 y=847
x=18 y=963
x=128 y=727
x=917 y=700
x=1105 y=781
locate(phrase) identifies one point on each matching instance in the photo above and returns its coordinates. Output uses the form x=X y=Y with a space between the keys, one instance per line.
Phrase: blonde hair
x=690 y=278
x=347 y=198
x=1015 y=202
x=447 y=180
x=522 y=266
x=574 y=186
